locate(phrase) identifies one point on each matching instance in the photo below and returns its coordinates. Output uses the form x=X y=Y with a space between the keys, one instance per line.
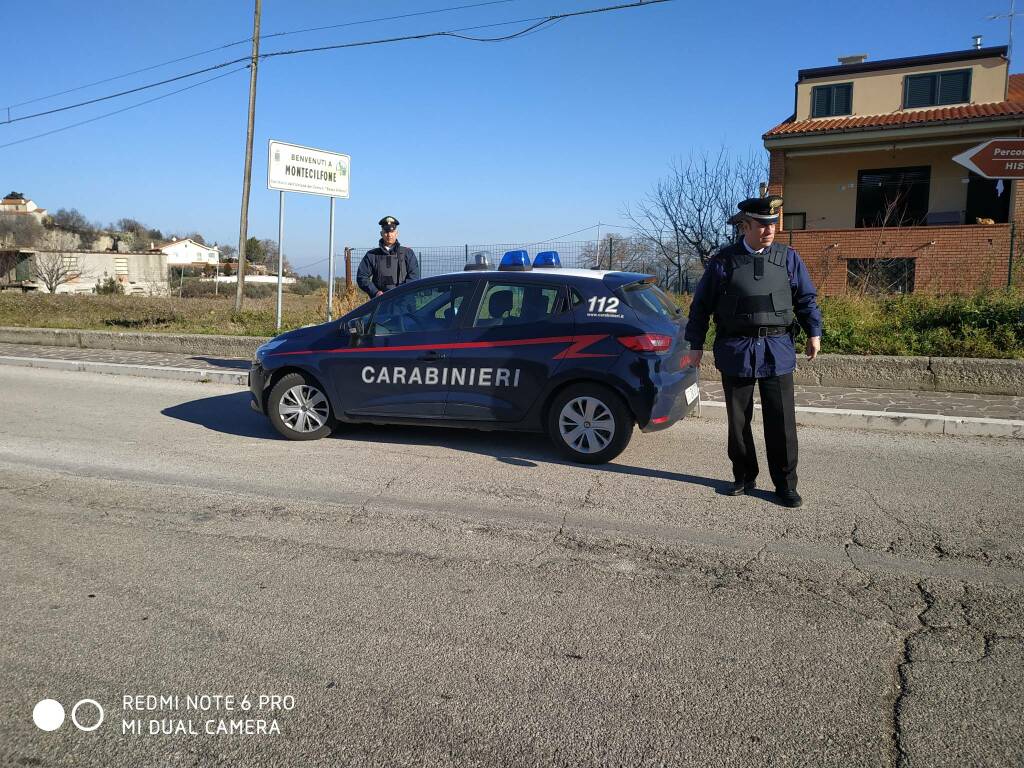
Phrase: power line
x=125 y=109
x=539 y=22
x=246 y=40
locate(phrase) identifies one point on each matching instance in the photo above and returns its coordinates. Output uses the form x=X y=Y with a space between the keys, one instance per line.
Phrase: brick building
x=874 y=200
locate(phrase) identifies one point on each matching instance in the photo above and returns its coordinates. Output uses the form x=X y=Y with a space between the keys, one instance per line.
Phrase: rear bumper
x=257 y=384
x=674 y=399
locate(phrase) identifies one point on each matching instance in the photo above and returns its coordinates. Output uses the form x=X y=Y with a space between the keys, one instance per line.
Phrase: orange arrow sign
x=995 y=159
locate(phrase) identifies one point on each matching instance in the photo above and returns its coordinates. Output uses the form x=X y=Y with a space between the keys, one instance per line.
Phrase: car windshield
x=649 y=299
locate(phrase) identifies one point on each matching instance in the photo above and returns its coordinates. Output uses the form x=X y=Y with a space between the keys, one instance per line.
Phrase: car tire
x=589 y=423
x=299 y=409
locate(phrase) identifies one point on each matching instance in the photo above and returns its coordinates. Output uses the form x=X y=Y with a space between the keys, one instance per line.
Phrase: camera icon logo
x=48 y=715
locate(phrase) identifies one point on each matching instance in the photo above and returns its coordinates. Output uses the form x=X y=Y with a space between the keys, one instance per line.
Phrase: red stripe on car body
x=572 y=352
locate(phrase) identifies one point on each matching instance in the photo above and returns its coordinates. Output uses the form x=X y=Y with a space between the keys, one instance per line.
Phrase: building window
x=832 y=100
x=70 y=262
x=120 y=266
x=874 y=276
x=794 y=221
x=937 y=88
x=893 y=197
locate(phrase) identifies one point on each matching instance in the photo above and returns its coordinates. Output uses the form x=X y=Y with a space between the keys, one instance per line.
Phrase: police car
x=583 y=355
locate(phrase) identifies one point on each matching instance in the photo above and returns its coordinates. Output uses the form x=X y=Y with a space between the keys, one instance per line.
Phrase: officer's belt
x=759 y=333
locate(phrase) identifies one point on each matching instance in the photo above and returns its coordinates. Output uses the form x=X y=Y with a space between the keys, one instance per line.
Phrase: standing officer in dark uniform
x=756 y=289
x=389 y=265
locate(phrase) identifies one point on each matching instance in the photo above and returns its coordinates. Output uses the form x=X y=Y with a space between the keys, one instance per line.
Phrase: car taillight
x=688 y=359
x=647 y=342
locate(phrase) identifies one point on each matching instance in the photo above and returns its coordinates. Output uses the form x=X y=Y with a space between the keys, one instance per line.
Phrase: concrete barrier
x=967 y=374
x=243 y=347
x=941 y=374
x=919 y=374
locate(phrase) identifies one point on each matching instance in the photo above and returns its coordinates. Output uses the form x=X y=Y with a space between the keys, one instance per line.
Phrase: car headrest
x=499 y=303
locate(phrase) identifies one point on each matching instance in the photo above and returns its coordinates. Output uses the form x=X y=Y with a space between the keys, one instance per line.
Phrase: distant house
x=138 y=273
x=187 y=252
x=16 y=204
x=872 y=193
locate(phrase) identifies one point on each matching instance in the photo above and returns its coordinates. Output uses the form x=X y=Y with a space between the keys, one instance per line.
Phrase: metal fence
x=629 y=254
x=439 y=259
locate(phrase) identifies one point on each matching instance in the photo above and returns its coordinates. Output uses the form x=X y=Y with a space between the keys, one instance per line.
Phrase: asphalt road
x=433 y=597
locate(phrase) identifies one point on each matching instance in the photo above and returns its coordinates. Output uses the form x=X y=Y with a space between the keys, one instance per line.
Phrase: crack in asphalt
x=902 y=676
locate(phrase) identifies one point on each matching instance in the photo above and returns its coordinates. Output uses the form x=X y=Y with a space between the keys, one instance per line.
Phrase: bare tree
x=57 y=267
x=686 y=215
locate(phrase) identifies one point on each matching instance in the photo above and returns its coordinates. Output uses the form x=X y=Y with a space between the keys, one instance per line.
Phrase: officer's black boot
x=739 y=487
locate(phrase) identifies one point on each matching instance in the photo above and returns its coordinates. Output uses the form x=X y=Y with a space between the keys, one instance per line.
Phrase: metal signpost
x=995 y=159
x=294 y=168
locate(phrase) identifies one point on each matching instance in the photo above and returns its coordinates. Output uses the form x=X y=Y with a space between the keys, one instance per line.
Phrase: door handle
x=432 y=356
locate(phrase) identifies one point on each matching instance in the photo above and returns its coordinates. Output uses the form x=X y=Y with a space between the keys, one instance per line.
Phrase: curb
x=893 y=421
x=919 y=423
x=201 y=375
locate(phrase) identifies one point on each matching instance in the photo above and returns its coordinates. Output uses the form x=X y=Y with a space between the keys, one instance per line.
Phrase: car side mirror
x=356 y=327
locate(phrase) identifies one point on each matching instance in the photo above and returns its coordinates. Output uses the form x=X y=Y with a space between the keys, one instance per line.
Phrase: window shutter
x=920 y=91
x=842 y=102
x=822 y=101
x=954 y=87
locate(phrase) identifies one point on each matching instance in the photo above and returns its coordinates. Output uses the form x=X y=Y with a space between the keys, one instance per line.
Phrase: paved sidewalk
x=900 y=406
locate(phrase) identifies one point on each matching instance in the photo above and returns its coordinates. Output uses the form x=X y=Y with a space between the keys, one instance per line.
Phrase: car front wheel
x=589 y=423
x=299 y=409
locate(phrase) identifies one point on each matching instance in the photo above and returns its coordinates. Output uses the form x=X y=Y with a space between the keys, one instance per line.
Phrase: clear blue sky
x=463 y=142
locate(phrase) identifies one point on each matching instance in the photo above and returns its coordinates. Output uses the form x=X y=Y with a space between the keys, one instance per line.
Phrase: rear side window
x=509 y=304
x=649 y=299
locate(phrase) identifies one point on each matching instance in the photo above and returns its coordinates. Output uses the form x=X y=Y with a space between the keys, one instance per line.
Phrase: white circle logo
x=48 y=715
x=74 y=715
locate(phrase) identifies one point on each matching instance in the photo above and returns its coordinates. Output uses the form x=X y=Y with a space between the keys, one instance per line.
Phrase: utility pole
x=243 y=225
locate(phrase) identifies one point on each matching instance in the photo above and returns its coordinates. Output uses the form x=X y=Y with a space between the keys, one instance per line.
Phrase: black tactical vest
x=391 y=268
x=757 y=292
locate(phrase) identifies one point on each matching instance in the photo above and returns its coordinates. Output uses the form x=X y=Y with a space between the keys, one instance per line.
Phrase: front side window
x=434 y=308
x=832 y=100
x=937 y=88
x=510 y=304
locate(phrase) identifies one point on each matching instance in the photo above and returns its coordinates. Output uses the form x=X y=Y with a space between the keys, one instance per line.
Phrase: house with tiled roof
x=873 y=197
x=16 y=204
x=187 y=252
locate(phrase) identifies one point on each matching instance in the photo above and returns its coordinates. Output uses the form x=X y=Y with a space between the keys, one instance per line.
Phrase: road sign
x=294 y=168
x=995 y=159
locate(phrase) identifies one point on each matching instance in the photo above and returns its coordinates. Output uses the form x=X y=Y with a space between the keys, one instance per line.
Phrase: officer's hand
x=378 y=293
x=813 y=347
x=696 y=356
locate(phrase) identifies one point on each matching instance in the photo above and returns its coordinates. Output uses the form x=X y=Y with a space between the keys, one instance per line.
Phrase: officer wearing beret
x=756 y=289
x=389 y=265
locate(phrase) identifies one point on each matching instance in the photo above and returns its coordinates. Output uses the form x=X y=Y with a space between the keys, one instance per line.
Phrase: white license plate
x=692 y=393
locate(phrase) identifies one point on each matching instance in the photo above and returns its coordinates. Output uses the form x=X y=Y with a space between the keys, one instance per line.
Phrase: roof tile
x=1014 y=105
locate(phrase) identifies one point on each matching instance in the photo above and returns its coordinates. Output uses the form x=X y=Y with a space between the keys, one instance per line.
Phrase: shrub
x=108 y=287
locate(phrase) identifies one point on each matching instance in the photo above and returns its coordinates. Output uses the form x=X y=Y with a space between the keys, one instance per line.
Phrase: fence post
x=611 y=264
x=348 y=268
x=467 y=252
x=1010 y=265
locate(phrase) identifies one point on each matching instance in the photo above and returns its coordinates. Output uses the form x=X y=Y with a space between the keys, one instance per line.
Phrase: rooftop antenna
x=1009 y=16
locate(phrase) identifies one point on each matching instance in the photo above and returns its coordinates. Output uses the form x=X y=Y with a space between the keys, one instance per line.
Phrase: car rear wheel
x=589 y=423
x=299 y=409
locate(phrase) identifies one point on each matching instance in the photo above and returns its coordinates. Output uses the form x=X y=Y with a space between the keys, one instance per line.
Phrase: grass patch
x=206 y=315
x=989 y=324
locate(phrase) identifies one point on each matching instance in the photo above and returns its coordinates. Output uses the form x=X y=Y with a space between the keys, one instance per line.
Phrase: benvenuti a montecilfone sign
x=294 y=168
x=995 y=159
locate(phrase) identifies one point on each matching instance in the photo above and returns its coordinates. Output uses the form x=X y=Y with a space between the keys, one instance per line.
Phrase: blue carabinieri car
x=583 y=355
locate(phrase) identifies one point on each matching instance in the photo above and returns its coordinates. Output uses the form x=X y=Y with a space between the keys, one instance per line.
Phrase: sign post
x=995 y=159
x=295 y=168
x=330 y=268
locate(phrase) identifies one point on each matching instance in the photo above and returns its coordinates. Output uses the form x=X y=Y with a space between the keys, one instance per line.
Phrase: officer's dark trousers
x=779 y=415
